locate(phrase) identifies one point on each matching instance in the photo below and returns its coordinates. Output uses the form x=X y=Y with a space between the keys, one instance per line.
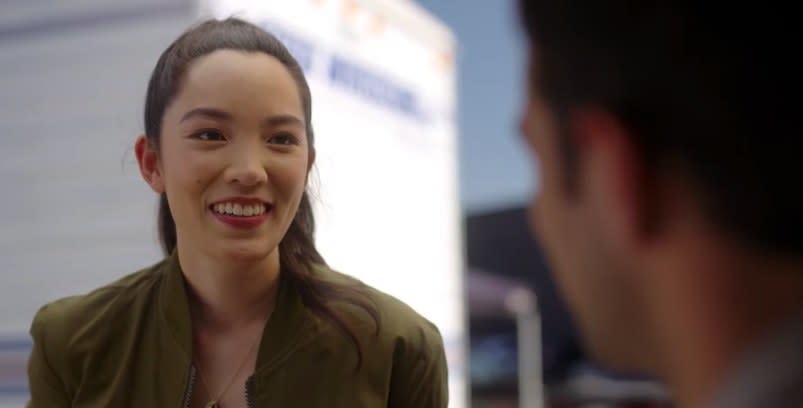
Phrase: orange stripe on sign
x=350 y=9
x=378 y=25
x=445 y=60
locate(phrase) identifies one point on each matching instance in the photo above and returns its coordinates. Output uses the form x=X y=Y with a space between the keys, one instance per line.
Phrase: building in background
x=73 y=78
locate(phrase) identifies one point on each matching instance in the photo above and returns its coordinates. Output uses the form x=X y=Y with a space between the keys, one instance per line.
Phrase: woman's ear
x=149 y=165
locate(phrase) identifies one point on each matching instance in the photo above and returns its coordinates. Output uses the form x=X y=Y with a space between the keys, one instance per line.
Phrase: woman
x=243 y=312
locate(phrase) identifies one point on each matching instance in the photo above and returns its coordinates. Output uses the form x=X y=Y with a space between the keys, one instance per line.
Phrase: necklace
x=214 y=402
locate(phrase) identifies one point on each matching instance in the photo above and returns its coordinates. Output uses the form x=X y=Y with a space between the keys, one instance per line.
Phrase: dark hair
x=297 y=248
x=707 y=89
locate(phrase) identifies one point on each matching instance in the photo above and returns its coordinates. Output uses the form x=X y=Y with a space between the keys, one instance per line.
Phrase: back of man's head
x=711 y=88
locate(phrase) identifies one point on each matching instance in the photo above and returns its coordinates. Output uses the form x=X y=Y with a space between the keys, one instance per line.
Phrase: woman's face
x=233 y=155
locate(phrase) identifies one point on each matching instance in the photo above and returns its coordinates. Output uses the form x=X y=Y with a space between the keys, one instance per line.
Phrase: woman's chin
x=244 y=253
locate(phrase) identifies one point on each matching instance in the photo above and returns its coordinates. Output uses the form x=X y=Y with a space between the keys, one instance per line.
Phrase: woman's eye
x=209 y=135
x=282 y=138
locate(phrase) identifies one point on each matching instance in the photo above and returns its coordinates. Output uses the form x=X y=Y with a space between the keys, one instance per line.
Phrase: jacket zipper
x=249 y=390
x=190 y=386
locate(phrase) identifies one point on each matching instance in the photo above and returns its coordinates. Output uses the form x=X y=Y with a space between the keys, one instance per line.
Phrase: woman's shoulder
x=397 y=319
x=407 y=348
x=63 y=319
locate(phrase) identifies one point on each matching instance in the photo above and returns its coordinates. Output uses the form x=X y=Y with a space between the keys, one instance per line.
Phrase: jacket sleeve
x=420 y=375
x=46 y=387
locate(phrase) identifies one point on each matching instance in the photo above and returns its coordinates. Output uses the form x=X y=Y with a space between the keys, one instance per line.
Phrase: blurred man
x=670 y=153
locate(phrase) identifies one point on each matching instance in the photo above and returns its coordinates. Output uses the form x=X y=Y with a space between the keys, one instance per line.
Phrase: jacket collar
x=174 y=306
x=175 y=335
x=290 y=326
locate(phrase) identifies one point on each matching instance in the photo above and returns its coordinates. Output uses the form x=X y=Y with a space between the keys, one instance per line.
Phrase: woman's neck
x=227 y=296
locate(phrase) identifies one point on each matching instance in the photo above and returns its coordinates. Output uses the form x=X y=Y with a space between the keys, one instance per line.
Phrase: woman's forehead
x=246 y=80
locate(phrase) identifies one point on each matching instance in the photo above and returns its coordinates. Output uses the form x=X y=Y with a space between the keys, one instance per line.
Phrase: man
x=669 y=145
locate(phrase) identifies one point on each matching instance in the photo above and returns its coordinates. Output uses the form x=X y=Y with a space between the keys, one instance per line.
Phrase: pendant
x=212 y=404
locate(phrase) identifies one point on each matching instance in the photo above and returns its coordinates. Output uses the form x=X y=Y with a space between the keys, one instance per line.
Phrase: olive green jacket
x=129 y=344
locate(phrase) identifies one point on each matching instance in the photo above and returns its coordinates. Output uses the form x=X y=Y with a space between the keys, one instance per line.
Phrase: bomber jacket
x=129 y=344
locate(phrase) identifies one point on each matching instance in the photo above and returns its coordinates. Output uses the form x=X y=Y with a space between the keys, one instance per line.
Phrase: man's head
x=652 y=122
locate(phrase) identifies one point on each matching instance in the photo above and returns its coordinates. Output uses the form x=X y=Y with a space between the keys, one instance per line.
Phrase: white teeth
x=239 y=210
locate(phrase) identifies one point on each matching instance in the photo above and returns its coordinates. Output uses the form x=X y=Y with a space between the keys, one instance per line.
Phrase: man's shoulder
x=770 y=374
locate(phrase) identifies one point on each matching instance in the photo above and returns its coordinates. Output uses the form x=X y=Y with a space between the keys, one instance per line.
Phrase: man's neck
x=722 y=303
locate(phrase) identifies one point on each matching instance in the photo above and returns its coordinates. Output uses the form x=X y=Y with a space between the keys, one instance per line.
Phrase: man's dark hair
x=711 y=89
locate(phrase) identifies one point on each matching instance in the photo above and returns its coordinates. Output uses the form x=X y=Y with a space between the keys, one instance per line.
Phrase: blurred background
x=420 y=169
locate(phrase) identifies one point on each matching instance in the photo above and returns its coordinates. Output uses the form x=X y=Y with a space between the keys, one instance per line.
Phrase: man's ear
x=149 y=164
x=613 y=176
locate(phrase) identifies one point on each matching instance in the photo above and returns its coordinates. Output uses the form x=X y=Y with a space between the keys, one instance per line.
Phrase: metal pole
x=521 y=302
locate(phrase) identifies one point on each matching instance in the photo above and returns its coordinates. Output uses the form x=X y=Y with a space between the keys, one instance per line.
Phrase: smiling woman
x=243 y=311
